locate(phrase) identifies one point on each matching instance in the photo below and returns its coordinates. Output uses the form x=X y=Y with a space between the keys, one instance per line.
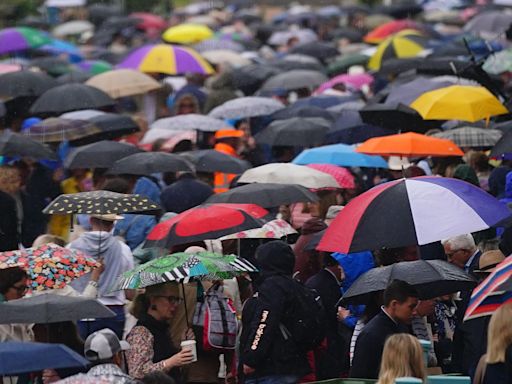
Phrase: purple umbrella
x=21 y=38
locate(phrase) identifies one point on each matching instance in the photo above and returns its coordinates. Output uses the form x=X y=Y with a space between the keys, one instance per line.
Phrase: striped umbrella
x=404 y=44
x=56 y=130
x=167 y=59
x=22 y=38
x=492 y=293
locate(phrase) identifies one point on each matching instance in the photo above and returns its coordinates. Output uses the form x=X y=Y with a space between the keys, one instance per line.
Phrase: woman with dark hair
x=13 y=285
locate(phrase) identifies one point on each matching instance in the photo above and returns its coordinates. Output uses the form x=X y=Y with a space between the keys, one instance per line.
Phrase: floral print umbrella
x=48 y=266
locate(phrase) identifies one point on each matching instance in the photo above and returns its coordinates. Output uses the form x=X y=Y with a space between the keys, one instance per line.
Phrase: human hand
x=50 y=376
x=343 y=313
x=183 y=357
x=96 y=272
x=188 y=334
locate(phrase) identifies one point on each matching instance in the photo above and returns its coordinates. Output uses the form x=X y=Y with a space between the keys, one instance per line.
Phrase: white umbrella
x=85 y=114
x=65 y=3
x=286 y=173
x=74 y=27
x=123 y=82
x=189 y=122
x=221 y=56
x=158 y=133
x=244 y=107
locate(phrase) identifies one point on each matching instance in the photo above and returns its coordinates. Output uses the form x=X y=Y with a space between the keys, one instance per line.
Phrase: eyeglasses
x=20 y=288
x=172 y=299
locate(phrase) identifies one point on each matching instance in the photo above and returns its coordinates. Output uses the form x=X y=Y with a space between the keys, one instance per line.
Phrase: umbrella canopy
x=16 y=145
x=319 y=50
x=94 y=67
x=49 y=308
x=123 y=82
x=100 y=203
x=275 y=229
x=149 y=22
x=401 y=45
x=349 y=128
x=382 y=32
x=56 y=130
x=49 y=266
x=492 y=293
x=112 y=126
x=345 y=62
x=204 y=222
x=210 y=160
x=85 y=114
x=224 y=56
x=459 y=102
x=286 y=173
x=410 y=91
x=503 y=146
x=304 y=111
x=18 y=357
x=147 y=163
x=187 y=34
x=499 y=62
x=54 y=66
x=339 y=154
x=342 y=175
x=251 y=77
x=432 y=278
x=70 y=97
x=102 y=154
x=21 y=38
x=410 y=145
x=244 y=107
x=488 y=23
x=420 y=211
x=397 y=117
x=73 y=27
x=73 y=77
x=166 y=59
x=324 y=101
x=472 y=137
x=296 y=131
x=218 y=44
x=189 y=122
x=24 y=84
x=295 y=79
x=266 y=195
x=183 y=266
x=356 y=81
x=302 y=35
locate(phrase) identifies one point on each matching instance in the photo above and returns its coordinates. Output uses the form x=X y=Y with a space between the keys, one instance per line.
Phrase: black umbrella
x=147 y=163
x=349 y=128
x=290 y=65
x=56 y=130
x=112 y=126
x=297 y=131
x=398 y=117
x=432 y=278
x=74 y=77
x=100 y=203
x=53 y=66
x=303 y=111
x=210 y=160
x=295 y=79
x=503 y=146
x=71 y=97
x=25 y=84
x=250 y=78
x=266 y=195
x=102 y=154
x=322 y=51
x=50 y=308
x=400 y=11
x=16 y=145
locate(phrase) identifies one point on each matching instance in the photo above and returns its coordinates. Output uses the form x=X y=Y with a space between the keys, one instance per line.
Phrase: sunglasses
x=172 y=299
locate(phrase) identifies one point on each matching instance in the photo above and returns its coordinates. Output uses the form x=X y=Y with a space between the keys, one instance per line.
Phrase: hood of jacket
x=96 y=243
x=275 y=257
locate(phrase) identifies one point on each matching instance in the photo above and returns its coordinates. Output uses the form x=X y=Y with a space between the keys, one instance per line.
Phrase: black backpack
x=306 y=318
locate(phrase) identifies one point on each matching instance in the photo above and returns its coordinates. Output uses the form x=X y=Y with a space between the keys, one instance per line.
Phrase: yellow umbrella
x=123 y=82
x=407 y=43
x=187 y=34
x=458 y=102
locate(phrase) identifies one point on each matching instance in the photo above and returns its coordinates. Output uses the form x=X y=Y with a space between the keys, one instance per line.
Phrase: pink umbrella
x=356 y=81
x=342 y=176
x=6 y=68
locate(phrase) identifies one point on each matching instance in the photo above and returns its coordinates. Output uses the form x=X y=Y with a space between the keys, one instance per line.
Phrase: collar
x=470 y=260
x=333 y=275
x=388 y=315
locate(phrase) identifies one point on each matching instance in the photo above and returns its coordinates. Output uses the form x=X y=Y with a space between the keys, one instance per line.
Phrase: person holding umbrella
x=13 y=285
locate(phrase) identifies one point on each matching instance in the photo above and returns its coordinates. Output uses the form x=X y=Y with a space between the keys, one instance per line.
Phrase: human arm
x=91 y=289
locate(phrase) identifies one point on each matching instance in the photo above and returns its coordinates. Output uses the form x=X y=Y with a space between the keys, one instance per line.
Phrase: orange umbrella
x=409 y=145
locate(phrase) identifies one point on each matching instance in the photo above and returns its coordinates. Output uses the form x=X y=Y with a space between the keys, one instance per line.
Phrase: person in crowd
x=151 y=345
x=266 y=356
x=400 y=301
x=443 y=329
x=402 y=357
x=10 y=183
x=9 y=236
x=422 y=329
x=222 y=90
x=185 y=193
x=497 y=179
x=157 y=377
x=462 y=251
x=495 y=367
x=479 y=161
x=117 y=258
x=227 y=141
x=307 y=262
x=13 y=285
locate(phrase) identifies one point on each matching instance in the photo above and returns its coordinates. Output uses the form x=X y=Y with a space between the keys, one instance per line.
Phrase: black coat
x=370 y=345
x=185 y=193
x=9 y=237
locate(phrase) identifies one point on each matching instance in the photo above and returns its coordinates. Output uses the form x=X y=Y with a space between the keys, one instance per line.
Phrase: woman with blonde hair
x=495 y=367
x=402 y=357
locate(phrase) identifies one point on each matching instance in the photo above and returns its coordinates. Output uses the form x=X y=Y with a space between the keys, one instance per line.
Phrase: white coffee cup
x=191 y=345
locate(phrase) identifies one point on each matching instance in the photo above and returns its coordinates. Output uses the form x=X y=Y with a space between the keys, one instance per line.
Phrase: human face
x=17 y=290
x=425 y=308
x=403 y=312
x=165 y=306
x=458 y=257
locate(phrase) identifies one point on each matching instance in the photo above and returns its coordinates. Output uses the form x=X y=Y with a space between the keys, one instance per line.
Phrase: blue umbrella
x=58 y=47
x=24 y=357
x=324 y=101
x=339 y=154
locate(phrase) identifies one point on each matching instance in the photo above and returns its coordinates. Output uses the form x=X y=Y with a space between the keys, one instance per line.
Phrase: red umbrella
x=344 y=178
x=383 y=31
x=149 y=22
x=204 y=222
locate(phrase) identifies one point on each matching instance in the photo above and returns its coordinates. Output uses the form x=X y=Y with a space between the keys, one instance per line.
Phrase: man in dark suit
x=400 y=300
x=332 y=359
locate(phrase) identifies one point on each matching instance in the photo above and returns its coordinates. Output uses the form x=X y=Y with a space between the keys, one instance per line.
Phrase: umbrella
x=171 y=137
x=397 y=117
x=296 y=131
x=341 y=155
x=302 y=111
x=16 y=145
x=408 y=92
x=166 y=59
x=302 y=35
x=342 y=175
x=18 y=357
x=54 y=66
x=70 y=97
x=244 y=107
x=187 y=34
x=401 y=45
x=345 y=62
x=7 y=68
x=295 y=79
x=324 y=101
x=349 y=128
x=266 y=195
x=488 y=23
x=503 y=146
x=499 y=62
x=492 y=293
x=210 y=160
x=189 y=122
x=50 y=308
x=73 y=27
x=49 y=266
x=111 y=125
x=223 y=56
x=275 y=229
x=205 y=222
x=149 y=22
x=251 y=77
x=21 y=38
x=217 y=44
x=94 y=67
x=100 y=203
x=321 y=51
x=73 y=77
x=286 y=173
x=85 y=114
x=382 y=32
x=356 y=81
x=102 y=154
x=419 y=211
x=471 y=137
x=182 y=266
x=56 y=130
x=410 y=145
x=432 y=278
x=24 y=84
x=458 y=102
x=60 y=47
x=147 y=163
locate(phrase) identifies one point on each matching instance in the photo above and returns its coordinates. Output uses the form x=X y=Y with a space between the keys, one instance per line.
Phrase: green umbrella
x=342 y=65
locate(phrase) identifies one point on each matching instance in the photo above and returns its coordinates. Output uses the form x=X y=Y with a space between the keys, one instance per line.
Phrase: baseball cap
x=103 y=345
x=228 y=133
